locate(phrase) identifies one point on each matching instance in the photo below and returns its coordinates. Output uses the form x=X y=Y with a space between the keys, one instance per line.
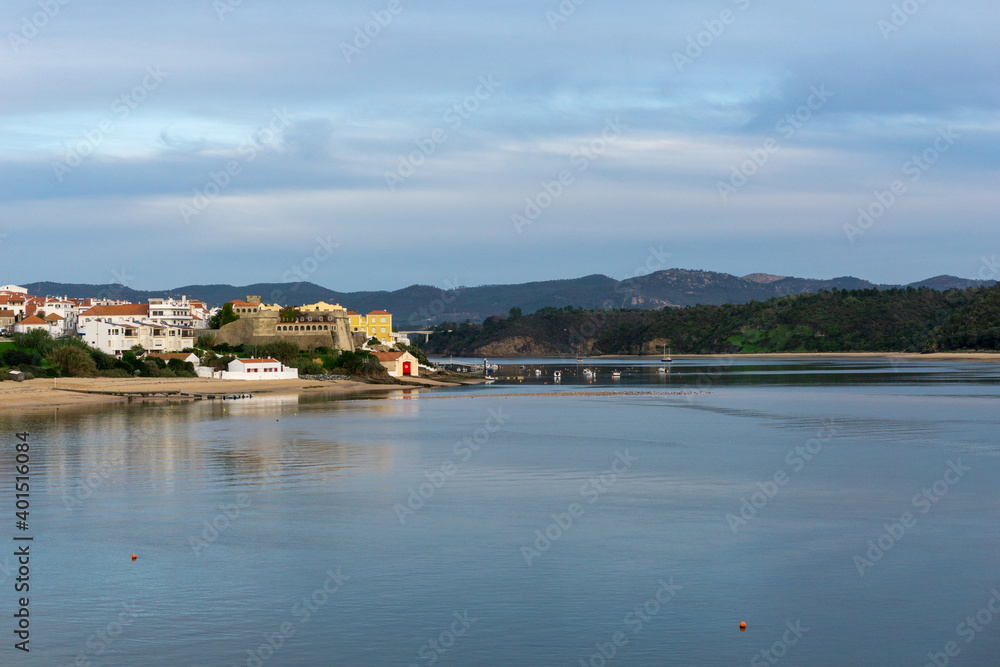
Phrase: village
x=178 y=329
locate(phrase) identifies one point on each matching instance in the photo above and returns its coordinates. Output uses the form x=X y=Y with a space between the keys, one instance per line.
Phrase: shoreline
x=937 y=356
x=44 y=393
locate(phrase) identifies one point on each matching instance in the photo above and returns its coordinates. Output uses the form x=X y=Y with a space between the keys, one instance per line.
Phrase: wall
x=261 y=328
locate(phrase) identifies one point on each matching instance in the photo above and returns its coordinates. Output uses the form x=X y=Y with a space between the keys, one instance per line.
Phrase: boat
x=557 y=375
x=616 y=374
x=538 y=371
x=661 y=369
x=666 y=356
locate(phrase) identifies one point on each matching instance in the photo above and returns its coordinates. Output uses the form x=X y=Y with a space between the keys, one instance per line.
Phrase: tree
x=74 y=361
x=138 y=350
x=206 y=341
x=514 y=313
x=223 y=317
x=284 y=351
x=289 y=314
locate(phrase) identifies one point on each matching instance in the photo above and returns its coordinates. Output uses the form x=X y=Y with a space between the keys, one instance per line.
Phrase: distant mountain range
x=421 y=305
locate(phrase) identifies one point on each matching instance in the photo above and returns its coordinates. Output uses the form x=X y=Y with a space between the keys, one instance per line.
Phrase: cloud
x=355 y=121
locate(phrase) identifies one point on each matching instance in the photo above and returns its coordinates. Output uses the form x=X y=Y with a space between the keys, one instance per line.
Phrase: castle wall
x=264 y=327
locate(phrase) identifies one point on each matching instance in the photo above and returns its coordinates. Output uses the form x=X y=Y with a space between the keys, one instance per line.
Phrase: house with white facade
x=67 y=309
x=179 y=312
x=14 y=302
x=32 y=323
x=259 y=369
x=131 y=313
x=399 y=364
x=115 y=337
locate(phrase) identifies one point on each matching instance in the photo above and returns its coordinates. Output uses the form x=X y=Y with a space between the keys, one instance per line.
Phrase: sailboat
x=666 y=356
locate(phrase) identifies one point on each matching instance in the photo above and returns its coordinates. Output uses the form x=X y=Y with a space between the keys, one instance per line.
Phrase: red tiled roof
x=239 y=303
x=378 y=312
x=126 y=309
x=33 y=320
x=52 y=317
x=7 y=313
x=257 y=361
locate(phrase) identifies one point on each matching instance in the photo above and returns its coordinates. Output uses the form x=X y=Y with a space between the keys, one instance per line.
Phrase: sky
x=378 y=144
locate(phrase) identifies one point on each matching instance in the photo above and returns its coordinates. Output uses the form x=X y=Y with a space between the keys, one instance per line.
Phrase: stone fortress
x=317 y=325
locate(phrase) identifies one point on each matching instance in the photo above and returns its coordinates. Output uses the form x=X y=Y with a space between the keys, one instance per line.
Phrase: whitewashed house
x=32 y=323
x=259 y=369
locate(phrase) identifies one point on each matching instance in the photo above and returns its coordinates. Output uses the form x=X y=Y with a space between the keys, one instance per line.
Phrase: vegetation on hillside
x=38 y=355
x=864 y=320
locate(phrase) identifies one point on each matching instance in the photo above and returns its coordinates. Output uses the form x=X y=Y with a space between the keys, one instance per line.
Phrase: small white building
x=31 y=324
x=259 y=369
x=399 y=364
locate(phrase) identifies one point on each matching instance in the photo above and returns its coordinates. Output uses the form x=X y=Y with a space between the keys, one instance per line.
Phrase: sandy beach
x=46 y=393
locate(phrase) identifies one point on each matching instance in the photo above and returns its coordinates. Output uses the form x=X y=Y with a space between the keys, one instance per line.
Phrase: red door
x=406 y=368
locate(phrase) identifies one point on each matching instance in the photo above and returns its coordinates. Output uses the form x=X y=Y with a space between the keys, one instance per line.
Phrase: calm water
x=412 y=530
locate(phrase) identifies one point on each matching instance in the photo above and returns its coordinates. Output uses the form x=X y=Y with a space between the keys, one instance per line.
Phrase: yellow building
x=320 y=306
x=377 y=323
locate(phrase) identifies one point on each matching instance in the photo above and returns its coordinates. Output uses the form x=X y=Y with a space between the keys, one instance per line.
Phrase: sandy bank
x=45 y=393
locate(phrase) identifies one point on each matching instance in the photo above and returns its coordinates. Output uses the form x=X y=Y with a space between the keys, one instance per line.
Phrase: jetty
x=161 y=393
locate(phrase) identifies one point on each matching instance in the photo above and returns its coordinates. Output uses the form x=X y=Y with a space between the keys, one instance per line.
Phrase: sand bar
x=45 y=393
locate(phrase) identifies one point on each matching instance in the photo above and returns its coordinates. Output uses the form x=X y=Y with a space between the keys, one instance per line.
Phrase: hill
x=865 y=320
x=418 y=306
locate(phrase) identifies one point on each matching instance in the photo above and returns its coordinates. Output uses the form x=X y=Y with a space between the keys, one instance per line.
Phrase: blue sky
x=460 y=143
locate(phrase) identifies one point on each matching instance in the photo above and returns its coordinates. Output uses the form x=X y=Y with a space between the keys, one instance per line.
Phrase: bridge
x=425 y=334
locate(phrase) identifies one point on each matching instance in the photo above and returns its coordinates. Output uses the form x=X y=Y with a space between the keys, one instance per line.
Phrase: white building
x=259 y=369
x=14 y=302
x=31 y=324
x=13 y=288
x=128 y=313
x=179 y=312
x=115 y=337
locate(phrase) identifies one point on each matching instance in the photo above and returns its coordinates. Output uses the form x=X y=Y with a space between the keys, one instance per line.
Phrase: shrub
x=114 y=373
x=310 y=368
x=18 y=357
x=74 y=361
x=329 y=361
x=206 y=341
x=35 y=339
x=104 y=361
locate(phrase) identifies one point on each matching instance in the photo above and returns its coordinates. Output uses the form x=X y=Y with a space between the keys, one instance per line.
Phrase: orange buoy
x=743 y=627
x=134 y=556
